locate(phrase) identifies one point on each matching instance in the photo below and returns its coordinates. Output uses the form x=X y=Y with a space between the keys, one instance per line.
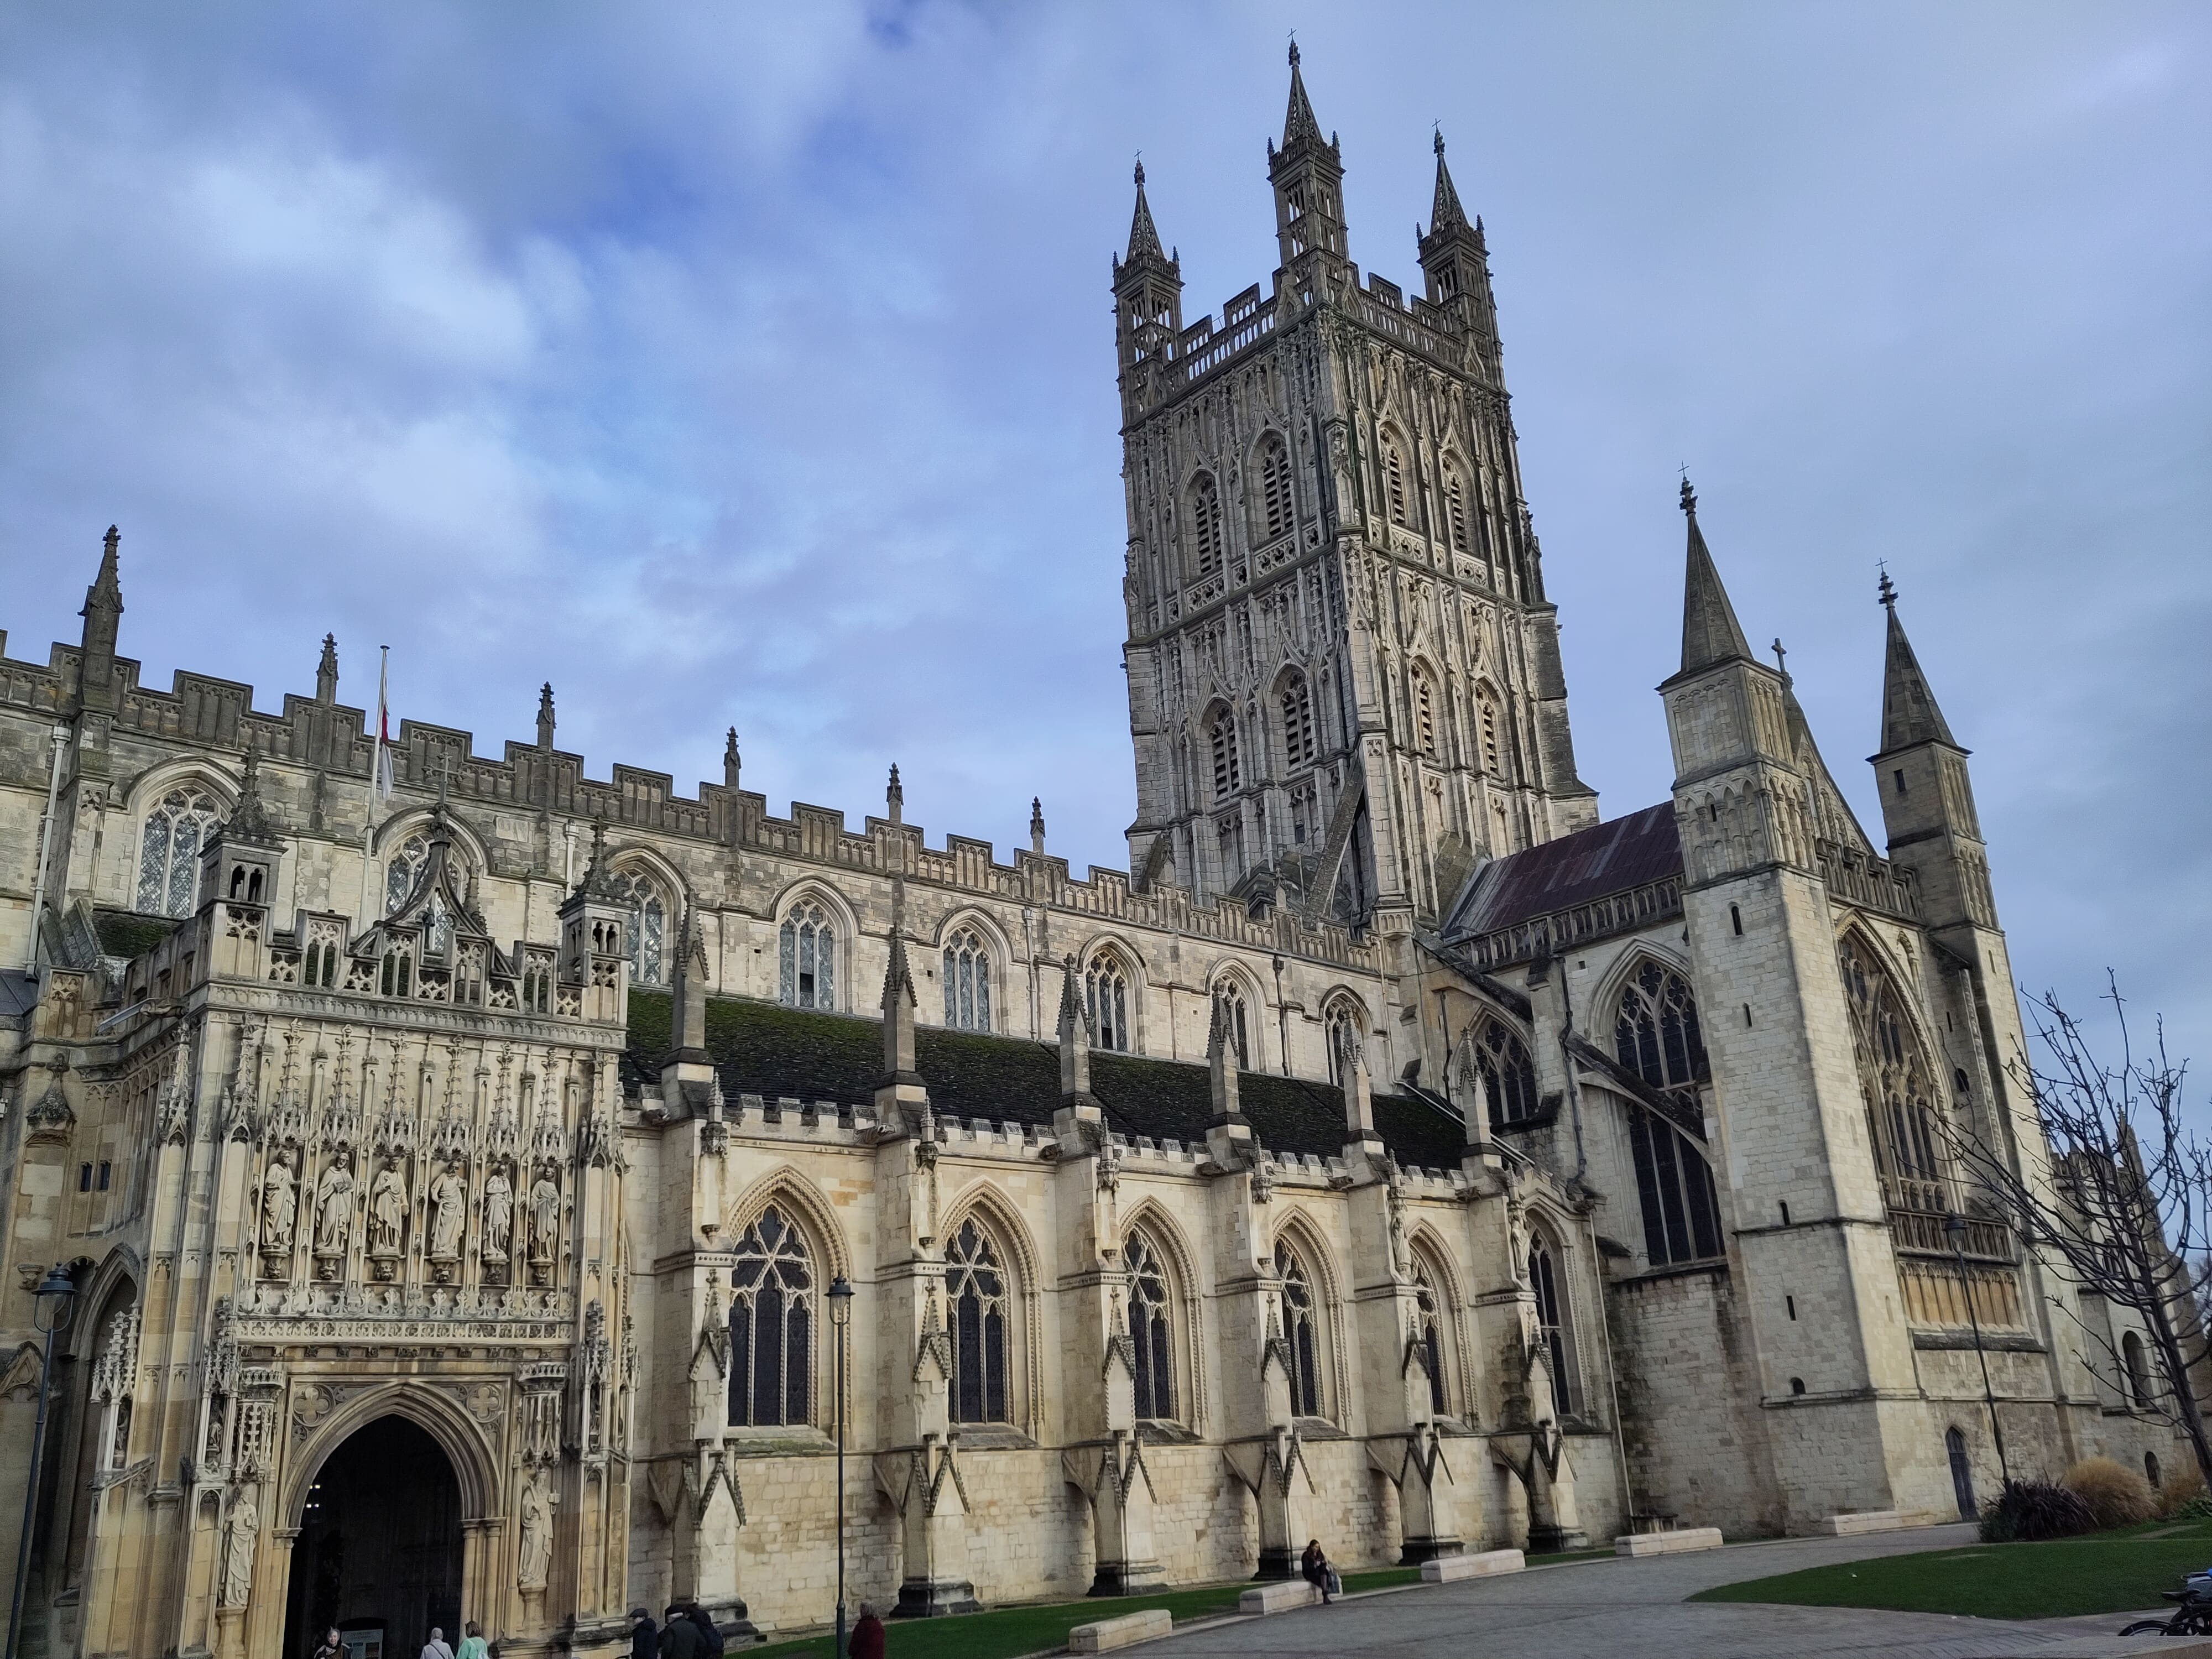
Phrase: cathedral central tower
x=1344 y=687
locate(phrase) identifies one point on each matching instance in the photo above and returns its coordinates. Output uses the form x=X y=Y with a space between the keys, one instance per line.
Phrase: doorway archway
x=380 y=1550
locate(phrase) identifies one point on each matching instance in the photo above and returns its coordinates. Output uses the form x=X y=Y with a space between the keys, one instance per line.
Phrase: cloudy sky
x=752 y=365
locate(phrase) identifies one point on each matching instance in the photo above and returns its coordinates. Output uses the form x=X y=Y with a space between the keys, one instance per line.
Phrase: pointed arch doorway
x=379 y=1551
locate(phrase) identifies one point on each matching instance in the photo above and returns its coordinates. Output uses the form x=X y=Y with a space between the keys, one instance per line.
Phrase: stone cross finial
x=895 y=797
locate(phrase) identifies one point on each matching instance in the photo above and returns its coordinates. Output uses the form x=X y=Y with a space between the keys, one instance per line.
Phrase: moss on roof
x=123 y=933
x=788 y=1053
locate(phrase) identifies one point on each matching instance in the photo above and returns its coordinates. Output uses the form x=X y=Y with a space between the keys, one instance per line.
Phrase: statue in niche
x=535 y=1554
x=449 y=1214
x=279 y=1202
x=498 y=1215
x=334 y=1208
x=238 y=1549
x=544 y=1217
x=387 y=1210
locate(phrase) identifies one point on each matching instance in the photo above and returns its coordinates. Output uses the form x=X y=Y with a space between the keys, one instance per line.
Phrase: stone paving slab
x=1604 y=1608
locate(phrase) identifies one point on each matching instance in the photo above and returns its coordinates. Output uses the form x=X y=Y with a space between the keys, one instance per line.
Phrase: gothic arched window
x=1229 y=996
x=1552 y=1329
x=967 y=982
x=1507 y=1074
x=402 y=869
x=646 y=938
x=1206 y=524
x=771 y=1325
x=1424 y=711
x=1654 y=1032
x=806 y=958
x=1297 y=701
x=1456 y=510
x=1655 y=1036
x=1106 y=996
x=1394 y=482
x=1895 y=1080
x=1151 y=1330
x=1429 y=1312
x=1274 y=516
x=1301 y=1330
x=1343 y=1029
x=975 y=1297
x=1489 y=718
x=1228 y=772
x=169 y=851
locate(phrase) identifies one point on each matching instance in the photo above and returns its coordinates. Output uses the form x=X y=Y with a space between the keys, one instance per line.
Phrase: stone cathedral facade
x=455 y=1187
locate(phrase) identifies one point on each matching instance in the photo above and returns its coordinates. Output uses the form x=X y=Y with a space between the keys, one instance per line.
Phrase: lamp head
x=1955 y=1225
x=841 y=1302
x=57 y=1298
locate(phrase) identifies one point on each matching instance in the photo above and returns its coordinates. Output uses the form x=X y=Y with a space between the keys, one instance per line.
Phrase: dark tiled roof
x=787 y=1054
x=125 y=933
x=1556 y=875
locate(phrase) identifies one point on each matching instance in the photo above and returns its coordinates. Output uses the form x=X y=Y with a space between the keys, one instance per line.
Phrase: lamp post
x=1955 y=1225
x=841 y=1315
x=57 y=1299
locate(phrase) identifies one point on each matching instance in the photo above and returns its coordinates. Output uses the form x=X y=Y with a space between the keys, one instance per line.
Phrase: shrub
x=2029 y=1511
x=2183 y=1484
x=2115 y=1494
x=2198 y=1508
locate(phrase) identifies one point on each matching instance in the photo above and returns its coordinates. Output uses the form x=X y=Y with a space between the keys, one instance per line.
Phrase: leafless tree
x=2126 y=1212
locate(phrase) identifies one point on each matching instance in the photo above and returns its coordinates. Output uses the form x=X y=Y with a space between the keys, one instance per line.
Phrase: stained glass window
x=1655 y=1036
x=169 y=852
x=646 y=936
x=1106 y=995
x=806 y=958
x=771 y=1324
x=976 y=1290
x=966 y=982
x=1150 y=1331
x=1300 y=1329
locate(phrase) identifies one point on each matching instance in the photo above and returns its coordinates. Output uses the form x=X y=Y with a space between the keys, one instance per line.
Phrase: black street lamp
x=1955 y=1225
x=841 y=1315
x=56 y=1300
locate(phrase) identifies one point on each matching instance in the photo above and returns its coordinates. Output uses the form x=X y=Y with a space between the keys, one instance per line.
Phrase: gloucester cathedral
x=490 y=1200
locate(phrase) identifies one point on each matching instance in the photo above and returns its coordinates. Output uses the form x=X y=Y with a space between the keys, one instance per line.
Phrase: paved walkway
x=1602 y=1609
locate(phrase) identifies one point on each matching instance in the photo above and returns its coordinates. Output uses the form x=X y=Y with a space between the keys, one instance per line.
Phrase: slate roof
x=1556 y=875
x=777 y=1053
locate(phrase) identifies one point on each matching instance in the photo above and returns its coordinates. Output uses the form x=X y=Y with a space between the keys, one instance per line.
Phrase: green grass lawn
x=2117 y=1571
x=1006 y=1633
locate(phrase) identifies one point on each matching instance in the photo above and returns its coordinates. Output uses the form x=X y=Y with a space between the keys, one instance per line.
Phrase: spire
x=1036 y=825
x=895 y=797
x=732 y=764
x=106 y=592
x=1143 y=236
x=688 y=997
x=545 y=715
x=1221 y=1066
x=1445 y=213
x=249 y=819
x=1298 y=120
x=898 y=1004
x=598 y=880
x=1909 y=714
x=327 y=672
x=1711 y=633
x=1074 y=1036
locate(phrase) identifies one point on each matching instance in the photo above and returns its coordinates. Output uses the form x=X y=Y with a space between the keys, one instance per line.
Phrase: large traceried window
x=402 y=869
x=1297 y=700
x=806 y=958
x=1106 y=998
x=1151 y=1329
x=647 y=937
x=771 y=1325
x=1428 y=1308
x=1301 y=1330
x=975 y=1295
x=1221 y=737
x=967 y=982
x=1900 y=1096
x=1553 y=1330
x=1507 y=1075
x=1206 y=524
x=1229 y=996
x=177 y=830
x=1655 y=1036
x=1274 y=516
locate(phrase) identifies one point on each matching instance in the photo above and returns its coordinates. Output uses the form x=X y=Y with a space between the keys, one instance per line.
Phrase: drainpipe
x=60 y=741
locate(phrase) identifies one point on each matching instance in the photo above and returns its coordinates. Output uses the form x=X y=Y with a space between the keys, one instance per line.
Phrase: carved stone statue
x=498 y=1215
x=544 y=1218
x=535 y=1555
x=334 y=1208
x=238 y=1549
x=449 y=1214
x=279 y=1202
x=387 y=1210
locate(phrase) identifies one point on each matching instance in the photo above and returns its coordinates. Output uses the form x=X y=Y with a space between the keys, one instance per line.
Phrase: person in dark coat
x=680 y=1638
x=1313 y=1567
x=710 y=1638
x=867 y=1639
x=644 y=1635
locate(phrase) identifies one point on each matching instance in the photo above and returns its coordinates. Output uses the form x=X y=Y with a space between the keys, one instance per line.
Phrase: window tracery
x=1894 y=1078
x=402 y=870
x=967 y=982
x=771 y=1325
x=1429 y=1332
x=806 y=958
x=176 y=831
x=646 y=936
x=975 y=1294
x=1505 y=1072
x=1151 y=1330
x=1106 y=998
x=1552 y=1328
x=1655 y=1036
x=1301 y=1331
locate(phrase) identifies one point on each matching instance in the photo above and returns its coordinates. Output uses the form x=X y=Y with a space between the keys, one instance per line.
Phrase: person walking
x=710 y=1637
x=644 y=1635
x=867 y=1639
x=1314 y=1568
x=680 y=1637
x=435 y=1648
x=472 y=1641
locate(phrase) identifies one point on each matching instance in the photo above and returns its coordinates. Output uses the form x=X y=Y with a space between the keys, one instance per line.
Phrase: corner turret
x=1308 y=174
x=1926 y=794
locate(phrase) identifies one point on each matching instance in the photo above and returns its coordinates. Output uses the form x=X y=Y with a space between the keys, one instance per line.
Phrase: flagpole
x=378 y=789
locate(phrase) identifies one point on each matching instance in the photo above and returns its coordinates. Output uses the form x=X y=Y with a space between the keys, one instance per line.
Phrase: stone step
x=1679 y=1541
x=1449 y=1569
x=1284 y=1595
x=1130 y=1628
x=1855 y=1522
